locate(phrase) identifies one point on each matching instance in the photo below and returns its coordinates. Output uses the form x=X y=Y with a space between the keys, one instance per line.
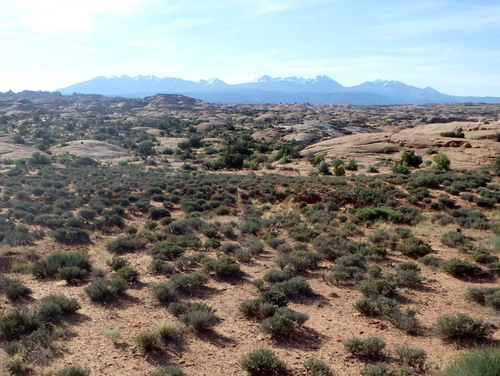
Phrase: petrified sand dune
x=10 y=150
x=93 y=149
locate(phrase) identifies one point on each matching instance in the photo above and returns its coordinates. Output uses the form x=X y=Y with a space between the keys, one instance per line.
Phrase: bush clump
x=316 y=367
x=71 y=236
x=371 y=348
x=126 y=243
x=168 y=371
x=103 y=290
x=73 y=371
x=68 y=266
x=461 y=327
x=262 y=362
x=414 y=247
x=224 y=267
x=477 y=362
x=14 y=289
x=459 y=268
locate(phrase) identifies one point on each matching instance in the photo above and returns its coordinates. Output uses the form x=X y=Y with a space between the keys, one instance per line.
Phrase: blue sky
x=450 y=45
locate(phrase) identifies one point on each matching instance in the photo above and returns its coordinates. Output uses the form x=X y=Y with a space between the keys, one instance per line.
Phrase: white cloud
x=50 y=16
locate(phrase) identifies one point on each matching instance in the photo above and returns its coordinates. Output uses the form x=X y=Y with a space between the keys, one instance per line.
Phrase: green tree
x=442 y=161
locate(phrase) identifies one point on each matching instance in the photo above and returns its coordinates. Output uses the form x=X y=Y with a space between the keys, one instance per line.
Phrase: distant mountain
x=266 y=89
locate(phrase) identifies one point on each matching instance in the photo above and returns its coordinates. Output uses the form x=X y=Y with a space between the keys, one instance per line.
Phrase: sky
x=452 y=46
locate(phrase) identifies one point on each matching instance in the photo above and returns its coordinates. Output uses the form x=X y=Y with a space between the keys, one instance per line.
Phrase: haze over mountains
x=266 y=89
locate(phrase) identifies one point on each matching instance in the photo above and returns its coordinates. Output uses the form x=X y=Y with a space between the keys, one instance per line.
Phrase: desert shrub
x=411 y=357
x=476 y=362
x=128 y=273
x=299 y=260
x=102 y=290
x=461 y=327
x=188 y=283
x=273 y=275
x=371 y=348
x=146 y=341
x=257 y=308
x=284 y=323
x=71 y=235
x=17 y=323
x=199 y=320
x=255 y=246
x=68 y=266
x=402 y=215
x=458 y=268
x=224 y=267
x=442 y=161
x=454 y=239
x=158 y=213
x=445 y=200
x=367 y=307
x=230 y=248
x=411 y=159
x=482 y=256
x=73 y=371
x=262 y=362
x=168 y=371
x=479 y=294
x=316 y=367
x=274 y=242
x=251 y=226
x=13 y=288
x=164 y=293
x=113 y=334
x=117 y=263
x=431 y=261
x=414 y=247
x=302 y=233
x=15 y=365
x=400 y=168
x=373 y=288
x=294 y=287
x=165 y=251
x=126 y=243
x=19 y=235
x=66 y=305
x=493 y=300
x=274 y=297
x=468 y=218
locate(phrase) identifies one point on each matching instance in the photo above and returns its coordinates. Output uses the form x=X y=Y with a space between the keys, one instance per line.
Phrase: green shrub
x=273 y=275
x=477 y=362
x=165 y=293
x=126 y=243
x=146 y=341
x=199 y=320
x=274 y=297
x=17 y=323
x=262 y=362
x=431 y=261
x=68 y=266
x=128 y=273
x=284 y=323
x=316 y=367
x=479 y=294
x=165 y=251
x=411 y=357
x=13 y=288
x=103 y=290
x=15 y=365
x=458 y=268
x=73 y=371
x=373 y=288
x=411 y=159
x=454 y=239
x=371 y=348
x=442 y=161
x=379 y=369
x=66 y=305
x=482 y=256
x=117 y=263
x=188 y=283
x=71 y=236
x=461 y=327
x=294 y=287
x=224 y=267
x=414 y=247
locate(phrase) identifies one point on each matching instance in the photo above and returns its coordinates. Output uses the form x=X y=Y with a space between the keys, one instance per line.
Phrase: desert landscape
x=172 y=236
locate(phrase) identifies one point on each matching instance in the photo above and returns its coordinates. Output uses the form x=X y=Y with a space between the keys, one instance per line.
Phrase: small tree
x=442 y=161
x=338 y=167
x=411 y=159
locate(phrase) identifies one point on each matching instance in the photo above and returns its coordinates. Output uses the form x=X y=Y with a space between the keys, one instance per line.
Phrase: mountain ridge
x=266 y=89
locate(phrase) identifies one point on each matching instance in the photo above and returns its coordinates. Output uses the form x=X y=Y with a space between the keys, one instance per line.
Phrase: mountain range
x=266 y=89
